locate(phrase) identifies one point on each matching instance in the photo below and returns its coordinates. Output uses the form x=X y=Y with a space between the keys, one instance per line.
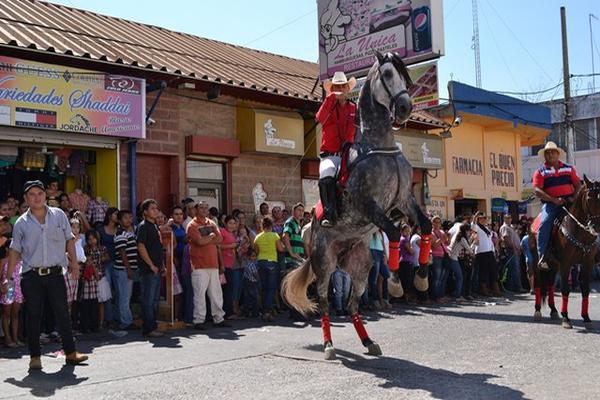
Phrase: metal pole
x=592 y=53
x=567 y=85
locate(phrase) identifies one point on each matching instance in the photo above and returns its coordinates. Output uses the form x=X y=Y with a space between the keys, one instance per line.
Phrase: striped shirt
x=127 y=241
x=556 y=182
x=293 y=230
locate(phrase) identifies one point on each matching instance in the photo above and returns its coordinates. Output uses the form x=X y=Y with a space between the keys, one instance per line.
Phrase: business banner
x=424 y=91
x=349 y=31
x=46 y=96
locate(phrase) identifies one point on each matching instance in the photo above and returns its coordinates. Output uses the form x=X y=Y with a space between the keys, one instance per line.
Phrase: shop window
x=206 y=181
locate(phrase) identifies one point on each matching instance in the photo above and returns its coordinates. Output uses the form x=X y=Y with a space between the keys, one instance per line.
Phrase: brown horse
x=574 y=242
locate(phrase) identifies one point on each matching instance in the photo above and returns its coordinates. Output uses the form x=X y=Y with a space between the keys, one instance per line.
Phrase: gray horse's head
x=389 y=85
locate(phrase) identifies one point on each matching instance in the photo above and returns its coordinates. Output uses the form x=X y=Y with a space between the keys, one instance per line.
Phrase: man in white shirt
x=485 y=261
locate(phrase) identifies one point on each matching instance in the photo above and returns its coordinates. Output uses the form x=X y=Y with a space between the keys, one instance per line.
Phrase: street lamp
x=592 y=51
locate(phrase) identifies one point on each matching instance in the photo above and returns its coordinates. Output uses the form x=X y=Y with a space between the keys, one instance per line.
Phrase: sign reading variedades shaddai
x=46 y=96
x=349 y=31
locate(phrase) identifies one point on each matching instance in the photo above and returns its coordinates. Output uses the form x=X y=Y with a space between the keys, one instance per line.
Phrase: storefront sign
x=502 y=167
x=424 y=92
x=349 y=31
x=310 y=193
x=46 y=96
x=270 y=131
x=438 y=206
x=499 y=205
x=467 y=166
x=259 y=195
x=421 y=150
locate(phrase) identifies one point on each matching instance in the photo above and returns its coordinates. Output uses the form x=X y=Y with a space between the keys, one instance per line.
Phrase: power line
x=498 y=47
x=533 y=93
x=517 y=39
x=281 y=27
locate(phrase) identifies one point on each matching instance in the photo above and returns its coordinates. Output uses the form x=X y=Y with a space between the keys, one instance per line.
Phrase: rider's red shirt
x=556 y=182
x=338 y=123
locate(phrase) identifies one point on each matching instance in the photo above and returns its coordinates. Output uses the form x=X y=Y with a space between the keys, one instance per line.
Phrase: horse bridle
x=589 y=228
x=393 y=98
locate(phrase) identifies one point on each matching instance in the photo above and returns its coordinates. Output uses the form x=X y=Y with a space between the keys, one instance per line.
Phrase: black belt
x=45 y=271
x=328 y=154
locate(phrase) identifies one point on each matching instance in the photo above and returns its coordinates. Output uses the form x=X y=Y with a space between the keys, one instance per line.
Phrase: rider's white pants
x=329 y=166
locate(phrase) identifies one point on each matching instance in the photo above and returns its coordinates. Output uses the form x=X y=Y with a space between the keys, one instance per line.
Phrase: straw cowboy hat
x=339 y=78
x=551 y=146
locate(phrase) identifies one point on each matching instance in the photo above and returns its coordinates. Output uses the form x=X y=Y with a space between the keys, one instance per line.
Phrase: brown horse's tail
x=294 y=286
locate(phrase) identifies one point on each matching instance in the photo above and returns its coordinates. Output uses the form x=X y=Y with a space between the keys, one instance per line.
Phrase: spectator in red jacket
x=336 y=116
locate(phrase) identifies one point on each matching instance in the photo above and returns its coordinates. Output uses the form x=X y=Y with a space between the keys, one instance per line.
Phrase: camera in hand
x=205 y=230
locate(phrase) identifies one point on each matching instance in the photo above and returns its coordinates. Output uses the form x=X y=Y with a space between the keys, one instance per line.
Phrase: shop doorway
x=468 y=206
x=206 y=181
x=92 y=170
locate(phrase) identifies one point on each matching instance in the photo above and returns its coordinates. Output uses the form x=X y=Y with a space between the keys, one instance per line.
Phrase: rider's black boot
x=327 y=191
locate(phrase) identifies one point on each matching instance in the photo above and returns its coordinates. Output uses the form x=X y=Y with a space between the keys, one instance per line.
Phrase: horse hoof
x=589 y=325
x=374 y=350
x=537 y=316
x=330 y=353
x=567 y=324
x=554 y=315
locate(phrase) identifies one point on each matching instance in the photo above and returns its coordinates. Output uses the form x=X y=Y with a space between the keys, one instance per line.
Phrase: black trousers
x=487 y=267
x=407 y=276
x=88 y=315
x=51 y=290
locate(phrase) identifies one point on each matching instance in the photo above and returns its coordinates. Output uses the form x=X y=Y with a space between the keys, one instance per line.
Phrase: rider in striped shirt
x=556 y=184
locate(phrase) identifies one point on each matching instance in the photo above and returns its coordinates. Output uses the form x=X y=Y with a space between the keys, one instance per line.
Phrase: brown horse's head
x=591 y=199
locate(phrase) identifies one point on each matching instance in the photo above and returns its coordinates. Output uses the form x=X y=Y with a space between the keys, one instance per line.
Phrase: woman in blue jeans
x=439 y=267
x=459 y=245
x=267 y=244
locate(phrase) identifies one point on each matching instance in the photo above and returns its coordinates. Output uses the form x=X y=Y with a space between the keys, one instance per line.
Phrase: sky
x=520 y=40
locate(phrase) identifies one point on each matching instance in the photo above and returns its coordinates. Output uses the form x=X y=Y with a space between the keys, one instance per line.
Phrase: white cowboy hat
x=339 y=78
x=552 y=146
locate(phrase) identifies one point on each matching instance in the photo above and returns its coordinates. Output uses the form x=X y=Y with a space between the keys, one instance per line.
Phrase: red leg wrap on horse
x=565 y=304
x=360 y=328
x=585 y=303
x=326 y=328
x=425 y=248
x=538 y=296
x=394 y=259
x=551 y=295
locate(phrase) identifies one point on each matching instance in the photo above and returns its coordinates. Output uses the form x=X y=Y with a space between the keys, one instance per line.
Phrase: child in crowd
x=11 y=307
x=92 y=312
x=70 y=283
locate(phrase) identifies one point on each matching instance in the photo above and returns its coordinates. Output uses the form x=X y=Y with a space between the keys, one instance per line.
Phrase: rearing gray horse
x=377 y=194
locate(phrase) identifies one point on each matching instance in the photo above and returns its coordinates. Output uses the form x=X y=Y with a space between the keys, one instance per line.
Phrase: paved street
x=483 y=350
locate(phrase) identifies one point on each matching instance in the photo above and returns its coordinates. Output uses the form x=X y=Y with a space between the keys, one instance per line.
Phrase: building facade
x=482 y=169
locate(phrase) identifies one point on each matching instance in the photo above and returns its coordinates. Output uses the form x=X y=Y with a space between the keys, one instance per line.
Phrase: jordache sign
x=349 y=31
x=55 y=97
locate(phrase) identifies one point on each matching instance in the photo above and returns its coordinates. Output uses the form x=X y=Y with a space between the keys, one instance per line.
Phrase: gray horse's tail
x=294 y=286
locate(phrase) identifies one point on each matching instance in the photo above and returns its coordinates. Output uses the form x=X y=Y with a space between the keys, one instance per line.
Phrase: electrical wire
x=281 y=27
x=517 y=39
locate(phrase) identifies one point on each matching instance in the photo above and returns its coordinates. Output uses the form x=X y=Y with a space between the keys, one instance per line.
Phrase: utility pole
x=475 y=45
x=592 y=53
x=567 y=85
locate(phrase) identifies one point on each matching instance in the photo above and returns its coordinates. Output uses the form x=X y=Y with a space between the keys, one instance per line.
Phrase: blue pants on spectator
x=513 y=282
x=123 y=287
x=456 y=270
x=251 y=297
x=384 y=271
x=341 y=289
x=377 y=256
x=269 y=276
x=440 y=275
x=150 y=284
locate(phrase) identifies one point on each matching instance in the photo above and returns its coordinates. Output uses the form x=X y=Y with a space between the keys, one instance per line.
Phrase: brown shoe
x=483 y=291
x=496 y=290
x=156 y=334
x=75 y=358
x=35 y=363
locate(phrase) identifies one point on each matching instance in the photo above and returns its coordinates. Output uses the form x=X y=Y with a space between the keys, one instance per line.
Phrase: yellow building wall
x=106 y=175
x=482 y=163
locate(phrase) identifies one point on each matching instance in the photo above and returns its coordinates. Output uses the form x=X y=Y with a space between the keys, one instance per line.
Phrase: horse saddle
x=535 y=225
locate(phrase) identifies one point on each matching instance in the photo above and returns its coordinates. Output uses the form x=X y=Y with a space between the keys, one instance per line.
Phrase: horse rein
x=589 y=228
x=393 y=98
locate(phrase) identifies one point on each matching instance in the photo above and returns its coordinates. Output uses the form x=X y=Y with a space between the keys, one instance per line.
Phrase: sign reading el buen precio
x=349 y=31
x=46 y=96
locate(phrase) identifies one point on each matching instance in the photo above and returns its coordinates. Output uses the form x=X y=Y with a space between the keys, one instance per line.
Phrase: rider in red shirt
x=336 y=116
